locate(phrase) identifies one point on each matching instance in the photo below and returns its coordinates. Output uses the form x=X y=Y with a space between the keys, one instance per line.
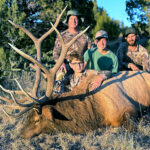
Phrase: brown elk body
x=123 y=96
x=120 y=98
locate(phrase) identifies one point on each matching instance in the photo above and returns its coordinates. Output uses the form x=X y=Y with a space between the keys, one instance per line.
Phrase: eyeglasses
x=77 y=63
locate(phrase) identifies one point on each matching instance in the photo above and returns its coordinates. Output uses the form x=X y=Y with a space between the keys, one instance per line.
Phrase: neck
x=73 y=30
x=102 y=51
x=134 y=47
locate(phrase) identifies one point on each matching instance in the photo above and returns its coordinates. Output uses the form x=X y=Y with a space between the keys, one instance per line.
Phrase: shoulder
x=111 y=53
x=142 y=49
x=84 y=36
x=91 y=51
x=65 y=32
x=123 y=45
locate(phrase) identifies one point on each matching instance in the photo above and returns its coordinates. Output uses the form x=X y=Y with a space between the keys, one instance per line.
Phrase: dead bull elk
x=119 y=98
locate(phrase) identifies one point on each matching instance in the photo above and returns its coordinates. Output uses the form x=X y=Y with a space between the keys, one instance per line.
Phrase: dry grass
x=102 y=139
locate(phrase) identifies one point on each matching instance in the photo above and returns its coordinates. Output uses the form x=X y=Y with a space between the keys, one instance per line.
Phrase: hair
x=75 y=55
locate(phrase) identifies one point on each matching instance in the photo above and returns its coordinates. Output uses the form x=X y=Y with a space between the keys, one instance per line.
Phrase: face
x=77 y=66
x=102 y=43
x=73 y=21
x=131 y=39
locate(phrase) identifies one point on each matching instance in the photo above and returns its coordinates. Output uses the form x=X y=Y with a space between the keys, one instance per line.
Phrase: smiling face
x=102 y=43
x=131 y=39
x=73 y=22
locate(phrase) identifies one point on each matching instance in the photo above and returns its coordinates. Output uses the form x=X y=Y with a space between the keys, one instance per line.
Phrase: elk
x=126 y=95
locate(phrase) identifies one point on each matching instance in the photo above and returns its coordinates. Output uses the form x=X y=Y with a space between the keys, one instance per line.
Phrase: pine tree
x=104 y=22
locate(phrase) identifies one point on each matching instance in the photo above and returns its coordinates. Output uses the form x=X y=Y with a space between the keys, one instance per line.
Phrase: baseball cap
x=71 y=13
x=101 y=34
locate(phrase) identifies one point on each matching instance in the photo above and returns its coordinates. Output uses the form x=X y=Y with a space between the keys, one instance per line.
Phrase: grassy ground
x=102 y=139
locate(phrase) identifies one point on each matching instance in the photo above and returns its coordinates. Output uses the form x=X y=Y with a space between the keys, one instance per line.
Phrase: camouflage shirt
x=139 y=57
x=71 y=81
x=80 y=45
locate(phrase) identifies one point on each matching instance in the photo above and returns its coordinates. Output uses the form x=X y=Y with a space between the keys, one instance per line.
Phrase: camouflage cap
x=129 y=31
x=72 y=13
x=101 y=34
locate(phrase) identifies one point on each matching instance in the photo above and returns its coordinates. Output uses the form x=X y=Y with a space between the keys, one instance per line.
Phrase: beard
x=132 y=43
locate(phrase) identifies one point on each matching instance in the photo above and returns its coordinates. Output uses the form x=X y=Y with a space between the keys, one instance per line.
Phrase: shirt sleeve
x=115 y=65
x=86 y=56
x=145 y=61
x=120 y=56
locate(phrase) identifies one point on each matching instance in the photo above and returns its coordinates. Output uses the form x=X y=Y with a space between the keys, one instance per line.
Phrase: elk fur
x=120 y=98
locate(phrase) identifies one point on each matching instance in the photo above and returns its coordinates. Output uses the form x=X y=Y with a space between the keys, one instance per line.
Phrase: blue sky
x=115 y=9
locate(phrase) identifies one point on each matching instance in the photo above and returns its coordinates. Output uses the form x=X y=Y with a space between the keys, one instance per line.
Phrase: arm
x=102 y=75
x=86 y=59
x=120 y=56
x=145 y=61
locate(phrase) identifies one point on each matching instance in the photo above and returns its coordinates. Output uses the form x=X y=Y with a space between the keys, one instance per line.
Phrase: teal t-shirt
x=97 y=61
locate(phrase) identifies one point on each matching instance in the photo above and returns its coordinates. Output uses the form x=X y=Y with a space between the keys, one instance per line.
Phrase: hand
x=133 y=67
x=62 y=68
x=96 y=83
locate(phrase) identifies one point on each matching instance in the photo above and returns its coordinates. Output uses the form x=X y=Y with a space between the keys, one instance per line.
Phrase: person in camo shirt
x=73 y=20
x=131 y=55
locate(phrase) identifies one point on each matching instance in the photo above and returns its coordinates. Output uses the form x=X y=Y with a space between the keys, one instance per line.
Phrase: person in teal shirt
x=100 y=58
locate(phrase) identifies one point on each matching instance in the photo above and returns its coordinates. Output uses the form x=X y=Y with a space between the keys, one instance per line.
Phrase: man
x=100 y=58
x=73 y=20
x=131 y=55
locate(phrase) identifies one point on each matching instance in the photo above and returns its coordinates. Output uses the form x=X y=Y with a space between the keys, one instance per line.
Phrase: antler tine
x=22 y=105
x=56 y=24
x=30 y=58
x=11 y=106
x=23 y=29
x=7 y=91
x=63 y=52
x=25 y=93
x=17 y=115
x=5 y=99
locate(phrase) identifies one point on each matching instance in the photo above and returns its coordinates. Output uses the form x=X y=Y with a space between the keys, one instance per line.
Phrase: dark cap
x=129 y=31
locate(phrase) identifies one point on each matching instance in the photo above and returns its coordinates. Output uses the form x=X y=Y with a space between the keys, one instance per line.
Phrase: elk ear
x=47 y=111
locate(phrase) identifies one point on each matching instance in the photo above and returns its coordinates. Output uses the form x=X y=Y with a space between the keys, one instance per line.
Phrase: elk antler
x=50 y=73
x=37 y=42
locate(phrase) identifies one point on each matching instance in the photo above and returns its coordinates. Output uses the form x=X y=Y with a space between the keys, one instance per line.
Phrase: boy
x=100 y=58
x=77 y=64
